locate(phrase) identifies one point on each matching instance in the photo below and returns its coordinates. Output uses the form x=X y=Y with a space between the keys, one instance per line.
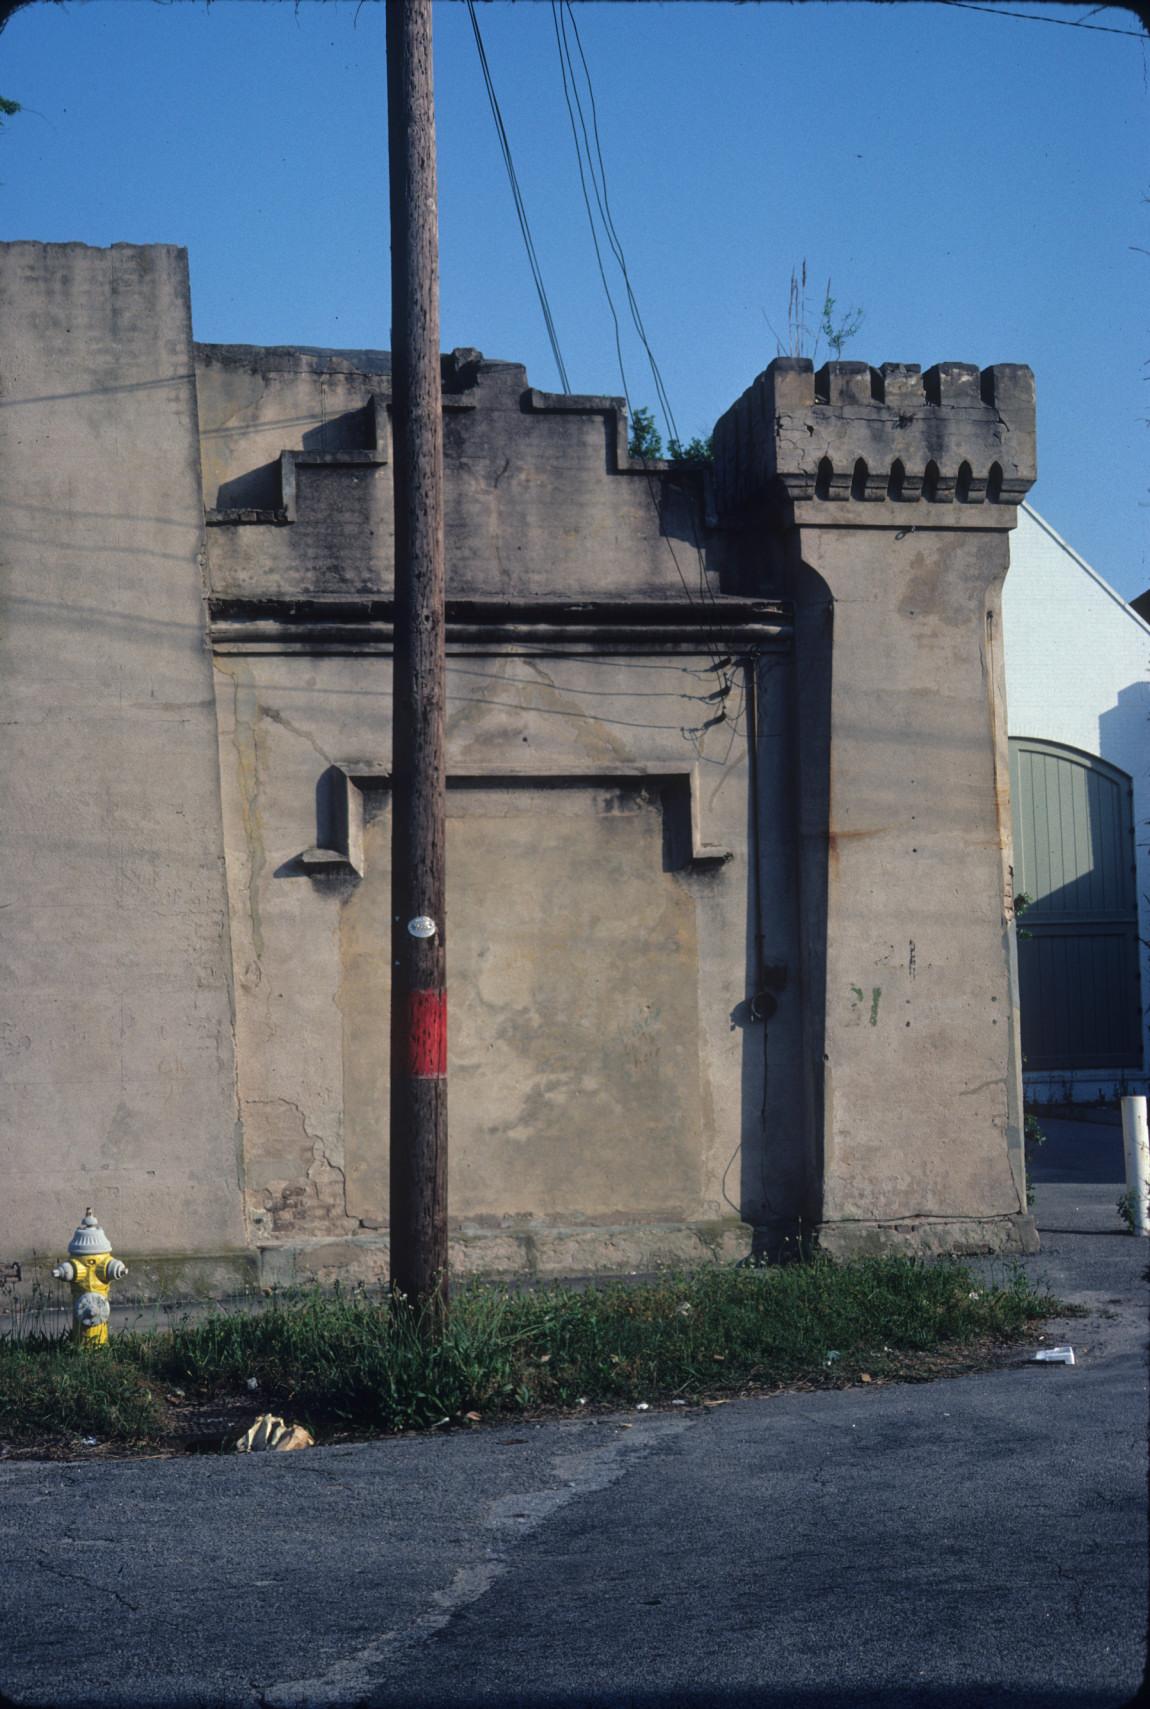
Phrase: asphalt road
x=981 y=1540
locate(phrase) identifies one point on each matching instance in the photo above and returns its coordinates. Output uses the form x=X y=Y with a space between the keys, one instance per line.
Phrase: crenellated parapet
x=950 y=435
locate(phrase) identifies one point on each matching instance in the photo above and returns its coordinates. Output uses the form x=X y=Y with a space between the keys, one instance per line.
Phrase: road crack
x=90 y=1583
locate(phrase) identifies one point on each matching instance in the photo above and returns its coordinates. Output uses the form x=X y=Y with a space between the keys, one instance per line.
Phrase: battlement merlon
x=888 y=436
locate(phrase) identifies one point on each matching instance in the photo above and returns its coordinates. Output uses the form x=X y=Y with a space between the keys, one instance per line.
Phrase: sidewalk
x=977 y=1540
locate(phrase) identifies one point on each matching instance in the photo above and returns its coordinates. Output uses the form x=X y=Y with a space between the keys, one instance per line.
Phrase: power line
x=517 y=196
x=1038 y=18
x=612 y=233
x=575 y=106
x=568 y=92
x=560 y=12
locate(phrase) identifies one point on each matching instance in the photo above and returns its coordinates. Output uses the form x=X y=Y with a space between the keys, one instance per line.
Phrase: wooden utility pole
x=418 y=1217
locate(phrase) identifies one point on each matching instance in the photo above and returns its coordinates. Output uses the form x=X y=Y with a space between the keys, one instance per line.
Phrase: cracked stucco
x=295 y=1175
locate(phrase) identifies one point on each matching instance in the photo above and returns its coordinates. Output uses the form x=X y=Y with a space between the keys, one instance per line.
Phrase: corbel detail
x=342 y=810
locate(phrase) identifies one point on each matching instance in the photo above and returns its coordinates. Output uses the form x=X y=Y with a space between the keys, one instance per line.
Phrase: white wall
x=1078 y=672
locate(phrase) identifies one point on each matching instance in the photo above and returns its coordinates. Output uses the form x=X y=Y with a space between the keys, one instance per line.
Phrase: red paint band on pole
x=426 y=1034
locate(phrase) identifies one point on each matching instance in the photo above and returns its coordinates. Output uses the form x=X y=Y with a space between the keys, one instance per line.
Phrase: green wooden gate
x=1078 y=940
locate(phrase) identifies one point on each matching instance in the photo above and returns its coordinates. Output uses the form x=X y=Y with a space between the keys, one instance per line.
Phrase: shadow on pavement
x=976 y=1695
x=1080 y=1151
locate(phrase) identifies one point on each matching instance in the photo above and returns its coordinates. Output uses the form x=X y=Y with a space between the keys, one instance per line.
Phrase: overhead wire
x=517 y=197
x=1041 y=18
x=586 y=164
x=604 y=204
x=570 y=92
x=731 y=680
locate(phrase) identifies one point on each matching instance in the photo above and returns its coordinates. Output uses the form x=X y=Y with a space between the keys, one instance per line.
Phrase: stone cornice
x=285 y=626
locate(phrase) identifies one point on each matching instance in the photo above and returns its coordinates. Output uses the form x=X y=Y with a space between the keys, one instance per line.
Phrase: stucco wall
x=115 y=1031
x=540 y=496
x=688 y=923
x=889 y=495
x=919 y=1011
x=614 y=1101
x=603 y=1068
x=1078 y=673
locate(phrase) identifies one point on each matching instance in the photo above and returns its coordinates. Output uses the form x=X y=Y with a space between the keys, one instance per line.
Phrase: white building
x=1078 y=699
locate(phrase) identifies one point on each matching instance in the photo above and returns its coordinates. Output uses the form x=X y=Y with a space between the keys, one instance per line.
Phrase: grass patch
x=51 y=1391
x=344 y=1362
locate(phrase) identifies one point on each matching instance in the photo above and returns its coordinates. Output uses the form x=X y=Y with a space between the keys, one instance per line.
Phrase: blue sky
x=976 y=184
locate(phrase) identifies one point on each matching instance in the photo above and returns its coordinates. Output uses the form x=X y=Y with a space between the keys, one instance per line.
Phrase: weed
x=696 y=450
x=645 y=442
x=1022 y=902
x=1033 y=1137
x=1125 y=1209
x=35 y=1312
x=367 y=1363
x=50 y=1388
x=839 y=335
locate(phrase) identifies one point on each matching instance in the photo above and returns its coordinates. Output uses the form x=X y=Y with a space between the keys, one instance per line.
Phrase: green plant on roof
x=838 y=335
x=646 y=442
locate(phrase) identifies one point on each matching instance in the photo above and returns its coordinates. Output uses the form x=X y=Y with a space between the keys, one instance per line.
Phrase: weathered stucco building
x=729 y=924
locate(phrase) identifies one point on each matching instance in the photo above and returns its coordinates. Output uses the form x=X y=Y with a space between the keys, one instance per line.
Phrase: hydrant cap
x=88 y=1238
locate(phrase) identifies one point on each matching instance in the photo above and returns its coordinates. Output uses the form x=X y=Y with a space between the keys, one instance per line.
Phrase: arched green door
x=1078 y=939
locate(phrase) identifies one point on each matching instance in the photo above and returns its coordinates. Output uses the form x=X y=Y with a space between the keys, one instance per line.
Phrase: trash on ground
x=678 y=1403
x=295 y=1436
x=253 y=1382
x=1054 y=1356
x=91 y=1441
x=643 y=1406
x=471 y=1417
x=268 y=1431
x=832 y=1357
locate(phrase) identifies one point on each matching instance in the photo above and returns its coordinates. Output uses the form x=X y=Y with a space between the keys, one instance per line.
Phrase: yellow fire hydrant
x=91 y=1269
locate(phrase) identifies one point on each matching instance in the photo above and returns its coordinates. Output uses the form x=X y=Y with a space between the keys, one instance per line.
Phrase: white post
x=1136 y=1139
